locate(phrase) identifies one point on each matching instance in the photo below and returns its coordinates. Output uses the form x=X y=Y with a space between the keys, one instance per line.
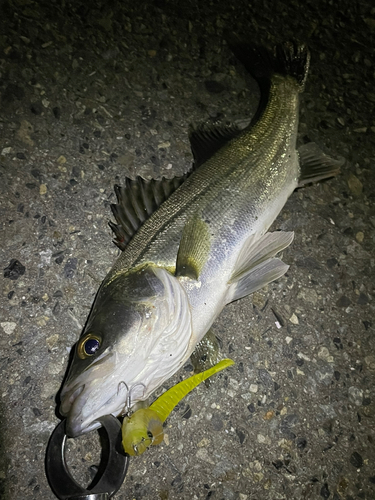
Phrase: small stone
x=324 y=374
x=241 y=435
x=152 y=53
x=288 y=339
x=285 y=444
x=251 y=407
x=259 y=300
x=256 y=465
x=70 y=267
x=52 y=340
x=187 y=413
x=303 y=356
x=203 y=454
x=265 y=377
x=234 y=384
x=342 y=485
x=217 y=422
x=356 y=460
x=370 y=362
x=43 y=189
x=261 y=438
x=308 y=295
x=325 y=355
x=8 y=327
x=258 y=476
x=324 y=492
x=61 y=160
x=362 y=299
x=203 y=443
x=359 y=236
x=332 y=263
x=343 y=301
x=278 y=464
x=14 y=270
x=288 y=422
x=355 y=185
x=293 y=319
x=340 y=121
x=355 y=395
x=269 y=415
x=301 y=443
x=253 y=388
x=24 y=132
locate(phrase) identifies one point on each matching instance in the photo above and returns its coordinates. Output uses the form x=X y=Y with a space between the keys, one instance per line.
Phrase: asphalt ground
x=94 y=92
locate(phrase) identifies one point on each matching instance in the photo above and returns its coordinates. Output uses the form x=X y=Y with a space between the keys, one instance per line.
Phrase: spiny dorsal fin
x=137 y=200
x=205 y=141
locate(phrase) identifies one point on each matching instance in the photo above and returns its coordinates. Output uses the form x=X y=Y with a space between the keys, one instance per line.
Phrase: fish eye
x=88 y=345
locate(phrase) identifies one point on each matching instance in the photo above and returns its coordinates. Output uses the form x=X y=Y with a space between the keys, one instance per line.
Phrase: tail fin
x=289 y=59
x=293 y=60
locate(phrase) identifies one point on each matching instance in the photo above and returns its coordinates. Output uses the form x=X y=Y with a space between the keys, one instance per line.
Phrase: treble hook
x=127 y=408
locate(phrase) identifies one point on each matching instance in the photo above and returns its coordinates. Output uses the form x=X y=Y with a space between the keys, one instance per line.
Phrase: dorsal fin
x=205 y=141
x=137 y=200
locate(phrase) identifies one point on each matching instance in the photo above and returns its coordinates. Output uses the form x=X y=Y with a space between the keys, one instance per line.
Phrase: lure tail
x=167 y=401
x=145 y=426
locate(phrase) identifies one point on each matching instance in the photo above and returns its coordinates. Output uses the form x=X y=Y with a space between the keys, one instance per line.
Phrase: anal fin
x=316 y=165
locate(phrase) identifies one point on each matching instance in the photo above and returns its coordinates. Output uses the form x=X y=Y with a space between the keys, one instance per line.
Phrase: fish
x=192 y=244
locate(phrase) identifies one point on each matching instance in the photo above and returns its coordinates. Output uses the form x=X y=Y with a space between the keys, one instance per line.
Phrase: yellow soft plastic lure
x=145 y=426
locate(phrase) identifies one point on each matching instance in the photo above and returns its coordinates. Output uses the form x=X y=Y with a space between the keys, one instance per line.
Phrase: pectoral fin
x=256 y=265
x=194 y=248
x=316 y=165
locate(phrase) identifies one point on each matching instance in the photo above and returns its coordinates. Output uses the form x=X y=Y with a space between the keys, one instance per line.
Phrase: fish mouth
x=69 y=398
x=82 y=412
x=92 y=395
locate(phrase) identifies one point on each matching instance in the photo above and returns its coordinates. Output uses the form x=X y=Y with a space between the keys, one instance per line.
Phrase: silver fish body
x=205 y=246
